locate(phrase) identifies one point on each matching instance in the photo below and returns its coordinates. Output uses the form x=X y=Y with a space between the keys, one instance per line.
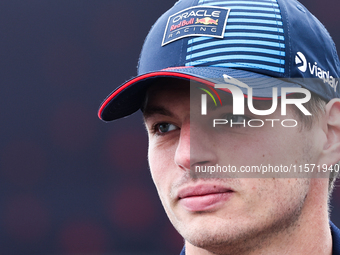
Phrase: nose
x=194 y=148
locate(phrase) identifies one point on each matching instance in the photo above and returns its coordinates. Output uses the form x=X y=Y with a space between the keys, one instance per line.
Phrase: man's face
x=219 y=212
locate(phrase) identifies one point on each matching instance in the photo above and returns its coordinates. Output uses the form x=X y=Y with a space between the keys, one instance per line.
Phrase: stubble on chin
x=239 y=239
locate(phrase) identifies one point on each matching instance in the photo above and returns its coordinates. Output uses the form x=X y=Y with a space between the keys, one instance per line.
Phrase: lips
x=204 y=197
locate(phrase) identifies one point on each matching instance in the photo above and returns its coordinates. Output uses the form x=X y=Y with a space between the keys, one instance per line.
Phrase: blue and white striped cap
x=206 y=40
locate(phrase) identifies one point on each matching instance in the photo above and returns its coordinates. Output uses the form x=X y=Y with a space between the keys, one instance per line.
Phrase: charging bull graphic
x=207 y=21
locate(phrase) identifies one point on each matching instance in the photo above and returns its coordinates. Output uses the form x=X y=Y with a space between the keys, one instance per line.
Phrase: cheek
x=279 y=195
x=154 y=164
x=161 y=165
x=161 y=153
x=275 y=147
x=162 y=172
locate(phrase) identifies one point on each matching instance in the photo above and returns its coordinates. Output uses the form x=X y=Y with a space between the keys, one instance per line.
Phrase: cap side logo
x=196 y=21
x=301 y=62
x=315 y=71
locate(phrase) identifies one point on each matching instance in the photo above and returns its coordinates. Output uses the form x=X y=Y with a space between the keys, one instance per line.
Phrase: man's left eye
x=164 y=128
x=235 y=118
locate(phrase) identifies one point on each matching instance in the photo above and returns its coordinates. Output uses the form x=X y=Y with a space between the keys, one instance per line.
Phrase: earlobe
x=331 y=148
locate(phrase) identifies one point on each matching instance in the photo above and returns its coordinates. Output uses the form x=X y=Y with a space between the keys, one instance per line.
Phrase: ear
x=331 y=149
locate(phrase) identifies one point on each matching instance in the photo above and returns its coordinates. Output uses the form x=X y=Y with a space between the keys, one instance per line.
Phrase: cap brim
x=129 y=97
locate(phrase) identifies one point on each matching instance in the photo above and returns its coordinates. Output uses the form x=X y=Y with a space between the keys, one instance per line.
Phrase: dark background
x=69 y=183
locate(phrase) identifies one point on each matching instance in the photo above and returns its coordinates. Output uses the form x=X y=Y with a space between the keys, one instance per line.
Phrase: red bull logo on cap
x=196 y=21
x=207 y=21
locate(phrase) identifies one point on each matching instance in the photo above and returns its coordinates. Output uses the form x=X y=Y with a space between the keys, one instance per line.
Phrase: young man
x=232 y=91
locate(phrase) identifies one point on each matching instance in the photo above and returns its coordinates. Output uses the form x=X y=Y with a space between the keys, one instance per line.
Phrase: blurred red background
x=71 y=184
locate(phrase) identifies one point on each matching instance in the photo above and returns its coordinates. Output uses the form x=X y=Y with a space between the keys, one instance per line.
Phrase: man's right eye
x=163 y=128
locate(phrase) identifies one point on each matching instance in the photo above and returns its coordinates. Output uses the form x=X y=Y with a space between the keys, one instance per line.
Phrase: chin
x=216 y=242
x=207 y=232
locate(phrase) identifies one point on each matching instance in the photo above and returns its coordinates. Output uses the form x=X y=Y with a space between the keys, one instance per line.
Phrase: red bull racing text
x=196 y=21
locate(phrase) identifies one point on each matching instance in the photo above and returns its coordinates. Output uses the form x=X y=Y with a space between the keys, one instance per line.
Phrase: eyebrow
x=153 y=110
